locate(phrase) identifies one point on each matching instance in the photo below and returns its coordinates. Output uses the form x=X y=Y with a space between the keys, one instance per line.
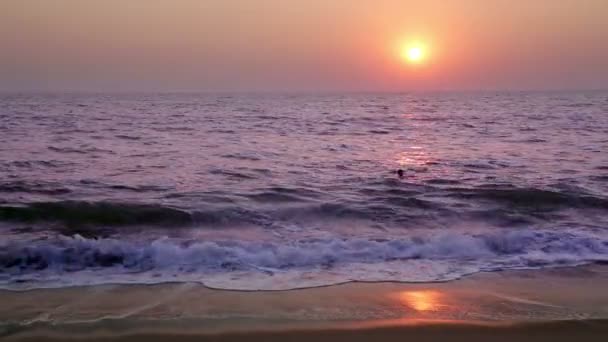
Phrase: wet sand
x=556 y=304
x=551 y=331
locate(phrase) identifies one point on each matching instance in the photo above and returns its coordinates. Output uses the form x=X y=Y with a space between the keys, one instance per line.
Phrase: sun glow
x=415 y=53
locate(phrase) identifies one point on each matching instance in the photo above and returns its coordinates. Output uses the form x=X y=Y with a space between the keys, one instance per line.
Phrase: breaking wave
x=28 y=263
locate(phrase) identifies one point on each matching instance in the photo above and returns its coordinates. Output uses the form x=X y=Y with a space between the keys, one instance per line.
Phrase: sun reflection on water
x=414 y=159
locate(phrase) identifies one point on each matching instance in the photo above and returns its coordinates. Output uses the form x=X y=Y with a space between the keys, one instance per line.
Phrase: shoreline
x=304 y=288
x=510 y=301
x=586 y=330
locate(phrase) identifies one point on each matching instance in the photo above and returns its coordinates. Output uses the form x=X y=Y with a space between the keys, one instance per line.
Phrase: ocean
x=284 y=191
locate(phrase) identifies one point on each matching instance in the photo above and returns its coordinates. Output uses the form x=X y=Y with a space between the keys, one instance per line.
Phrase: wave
x=389 y=202
x=91 y=214
x=374 y=259
x=45 y=188
x=36 y=164
x=531 y=198
x=76 y=213
x=242 y=156
x=232 y=174
x=81 y=150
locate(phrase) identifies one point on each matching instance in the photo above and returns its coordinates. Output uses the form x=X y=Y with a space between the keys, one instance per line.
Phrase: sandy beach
x=556 y=304
x=554 y=331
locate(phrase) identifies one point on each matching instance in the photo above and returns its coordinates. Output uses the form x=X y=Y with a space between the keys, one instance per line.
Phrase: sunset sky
x=307 y=45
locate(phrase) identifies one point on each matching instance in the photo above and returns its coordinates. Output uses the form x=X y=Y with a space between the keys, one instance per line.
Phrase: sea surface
x=282 y=191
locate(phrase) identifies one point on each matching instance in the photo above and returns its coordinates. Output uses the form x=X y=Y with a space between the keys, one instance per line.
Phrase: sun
x=414 y=53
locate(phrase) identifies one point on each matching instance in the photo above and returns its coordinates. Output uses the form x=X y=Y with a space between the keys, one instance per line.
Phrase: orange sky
x=308 y=45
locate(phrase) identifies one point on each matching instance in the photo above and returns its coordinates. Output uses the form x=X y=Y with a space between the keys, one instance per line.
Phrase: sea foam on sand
x=483 y=303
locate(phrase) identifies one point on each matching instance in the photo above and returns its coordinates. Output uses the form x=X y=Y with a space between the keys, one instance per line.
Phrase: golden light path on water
x=414 y=157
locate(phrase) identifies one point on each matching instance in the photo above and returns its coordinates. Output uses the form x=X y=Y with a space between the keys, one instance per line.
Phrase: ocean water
x=269 y=192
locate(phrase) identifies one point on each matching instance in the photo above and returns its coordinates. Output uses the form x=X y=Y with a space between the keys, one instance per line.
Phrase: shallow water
x=283 y=191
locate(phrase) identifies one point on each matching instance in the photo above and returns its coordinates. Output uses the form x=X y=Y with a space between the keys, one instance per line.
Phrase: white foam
x=303 y=263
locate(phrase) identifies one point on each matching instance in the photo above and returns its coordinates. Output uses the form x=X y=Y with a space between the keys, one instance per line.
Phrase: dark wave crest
x=75 y=213
x=532 y=198
x=389 y=203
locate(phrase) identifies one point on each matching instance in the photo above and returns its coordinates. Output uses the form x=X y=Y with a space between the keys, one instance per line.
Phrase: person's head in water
x=400 y=173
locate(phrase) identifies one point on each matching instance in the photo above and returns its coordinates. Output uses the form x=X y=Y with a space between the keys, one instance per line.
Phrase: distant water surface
x=288 y=191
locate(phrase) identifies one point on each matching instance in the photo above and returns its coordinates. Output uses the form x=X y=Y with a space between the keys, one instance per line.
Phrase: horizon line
x=295 y=92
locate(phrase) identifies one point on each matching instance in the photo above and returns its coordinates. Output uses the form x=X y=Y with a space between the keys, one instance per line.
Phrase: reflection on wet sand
x=425 y=300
